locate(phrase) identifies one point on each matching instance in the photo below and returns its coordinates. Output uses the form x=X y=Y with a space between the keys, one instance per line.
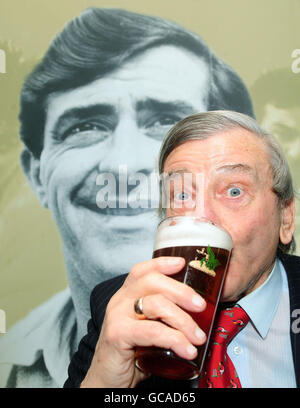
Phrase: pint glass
x=206 y=248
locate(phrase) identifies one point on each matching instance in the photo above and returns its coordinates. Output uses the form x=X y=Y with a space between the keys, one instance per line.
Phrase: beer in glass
x=206 y=248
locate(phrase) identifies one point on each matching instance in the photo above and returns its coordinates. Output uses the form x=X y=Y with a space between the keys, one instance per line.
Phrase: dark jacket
x=102 y=293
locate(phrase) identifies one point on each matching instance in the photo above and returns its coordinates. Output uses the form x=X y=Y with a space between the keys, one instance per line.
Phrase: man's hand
x=164 y=298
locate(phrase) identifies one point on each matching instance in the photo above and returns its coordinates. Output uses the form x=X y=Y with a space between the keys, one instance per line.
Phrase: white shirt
x=261 y=352
x=36 y=352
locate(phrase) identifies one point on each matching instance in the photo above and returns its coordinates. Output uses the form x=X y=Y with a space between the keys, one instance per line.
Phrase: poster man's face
x=119 y=119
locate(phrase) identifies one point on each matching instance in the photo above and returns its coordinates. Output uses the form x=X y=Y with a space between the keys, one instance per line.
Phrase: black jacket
x=102 y=293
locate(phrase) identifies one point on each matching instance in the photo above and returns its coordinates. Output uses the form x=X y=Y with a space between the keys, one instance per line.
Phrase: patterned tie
x=219 y=371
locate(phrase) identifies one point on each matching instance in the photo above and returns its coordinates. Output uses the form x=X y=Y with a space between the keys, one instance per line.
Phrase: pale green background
x=253 y=36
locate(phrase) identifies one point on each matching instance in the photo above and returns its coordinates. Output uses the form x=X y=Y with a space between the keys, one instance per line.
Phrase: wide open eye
x=234 y=192
x=183 y=196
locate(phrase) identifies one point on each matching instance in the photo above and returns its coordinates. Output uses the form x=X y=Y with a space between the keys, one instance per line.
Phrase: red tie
x=218 y=370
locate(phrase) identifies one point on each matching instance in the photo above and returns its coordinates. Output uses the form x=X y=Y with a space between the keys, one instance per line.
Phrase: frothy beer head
x=190 y=231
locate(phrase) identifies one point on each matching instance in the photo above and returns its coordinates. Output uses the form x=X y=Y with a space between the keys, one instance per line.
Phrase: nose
x=204 y=204
x=205 y=209
x=131 y=149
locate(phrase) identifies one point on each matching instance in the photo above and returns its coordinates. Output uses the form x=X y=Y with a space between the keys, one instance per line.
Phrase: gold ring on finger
x=138 y=309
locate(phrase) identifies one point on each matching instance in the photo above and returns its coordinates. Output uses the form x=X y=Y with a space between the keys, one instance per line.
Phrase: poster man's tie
x=219 y=371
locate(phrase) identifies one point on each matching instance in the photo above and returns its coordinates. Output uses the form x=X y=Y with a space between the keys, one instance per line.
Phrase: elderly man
x=100 y=102
x=244 y=185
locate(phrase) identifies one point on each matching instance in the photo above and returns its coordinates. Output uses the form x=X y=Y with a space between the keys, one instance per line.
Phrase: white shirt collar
x=262 y=303
x=47 y=330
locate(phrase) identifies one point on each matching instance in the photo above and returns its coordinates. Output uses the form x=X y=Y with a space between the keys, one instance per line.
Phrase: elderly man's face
x=119 y=119
x=232 y=186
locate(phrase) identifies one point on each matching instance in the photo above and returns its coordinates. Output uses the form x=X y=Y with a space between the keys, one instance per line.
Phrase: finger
x=148 y=333
x=164 y=264
x=180 y=293
x=158 y=307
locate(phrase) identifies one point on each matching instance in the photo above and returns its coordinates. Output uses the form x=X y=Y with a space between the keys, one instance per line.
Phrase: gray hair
x=202 y=125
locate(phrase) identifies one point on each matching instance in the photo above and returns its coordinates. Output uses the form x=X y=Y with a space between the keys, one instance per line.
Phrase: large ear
x=287 y=227
x=31 y=168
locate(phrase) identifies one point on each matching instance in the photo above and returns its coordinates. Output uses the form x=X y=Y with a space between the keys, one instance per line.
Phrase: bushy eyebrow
x=167 y=177
x=171 y=173
x=237 y=168
x=227 y=168
x=81 y=113
x=156 y=105
x=85 y=112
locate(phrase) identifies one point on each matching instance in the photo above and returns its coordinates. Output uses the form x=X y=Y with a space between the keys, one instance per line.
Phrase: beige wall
x=251 y=35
